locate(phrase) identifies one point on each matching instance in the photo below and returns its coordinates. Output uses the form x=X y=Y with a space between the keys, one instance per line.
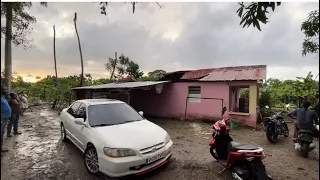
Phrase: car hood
x=135 y=135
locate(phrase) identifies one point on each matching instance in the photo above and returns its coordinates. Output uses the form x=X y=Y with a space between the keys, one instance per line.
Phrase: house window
x=239 y=97
x=194 y=94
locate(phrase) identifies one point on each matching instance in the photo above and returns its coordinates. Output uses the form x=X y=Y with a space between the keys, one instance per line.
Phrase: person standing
x=15 y=115
x=23 y=102
x=5 y=115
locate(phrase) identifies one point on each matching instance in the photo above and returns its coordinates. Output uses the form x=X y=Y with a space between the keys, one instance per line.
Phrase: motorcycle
x=245 y=161
x=275 y=126
x=304 y=143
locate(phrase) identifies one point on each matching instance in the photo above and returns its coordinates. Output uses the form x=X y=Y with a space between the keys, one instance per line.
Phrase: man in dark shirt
x=15 y=115
x=305 y=119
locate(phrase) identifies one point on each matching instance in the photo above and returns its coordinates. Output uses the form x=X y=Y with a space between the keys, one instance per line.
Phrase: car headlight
x=167 y=140
x=118 y=152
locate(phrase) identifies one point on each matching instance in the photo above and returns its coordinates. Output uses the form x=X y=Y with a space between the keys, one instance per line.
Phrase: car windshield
x=112 y=114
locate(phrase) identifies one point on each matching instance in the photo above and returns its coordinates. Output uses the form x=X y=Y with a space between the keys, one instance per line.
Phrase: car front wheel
x=91 y=160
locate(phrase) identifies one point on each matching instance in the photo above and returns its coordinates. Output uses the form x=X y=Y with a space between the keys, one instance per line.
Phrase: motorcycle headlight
x=167 y=140
x=118 y=152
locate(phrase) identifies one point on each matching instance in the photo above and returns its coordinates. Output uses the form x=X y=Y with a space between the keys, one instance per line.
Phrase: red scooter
x=245 y=161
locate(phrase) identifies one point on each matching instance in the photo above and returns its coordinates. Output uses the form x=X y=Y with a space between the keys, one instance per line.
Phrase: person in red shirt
x=15 y=115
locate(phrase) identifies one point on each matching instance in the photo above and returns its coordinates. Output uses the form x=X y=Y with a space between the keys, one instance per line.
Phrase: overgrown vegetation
x=47 y=90
x=274 y=93
x=277 y=94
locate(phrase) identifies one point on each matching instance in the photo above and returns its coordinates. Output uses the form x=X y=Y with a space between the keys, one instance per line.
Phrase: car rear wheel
x=91 y=160
x=63 y=133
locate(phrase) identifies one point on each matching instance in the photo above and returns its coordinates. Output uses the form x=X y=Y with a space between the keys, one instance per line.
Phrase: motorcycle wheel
x=213 y=153
x=271 y=134
x=235 y=176
x=286 y=134
x=304 y=150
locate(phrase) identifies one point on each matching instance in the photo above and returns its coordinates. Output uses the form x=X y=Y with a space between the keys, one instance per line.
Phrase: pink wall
x=172 y=101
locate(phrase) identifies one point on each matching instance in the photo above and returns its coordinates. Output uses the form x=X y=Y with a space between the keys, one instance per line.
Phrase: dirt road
x=39 y=154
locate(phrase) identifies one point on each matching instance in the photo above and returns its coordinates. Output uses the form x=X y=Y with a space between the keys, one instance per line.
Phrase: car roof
x=99 y=101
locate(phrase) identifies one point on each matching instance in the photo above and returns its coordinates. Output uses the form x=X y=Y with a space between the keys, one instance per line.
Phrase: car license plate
x=158 y=156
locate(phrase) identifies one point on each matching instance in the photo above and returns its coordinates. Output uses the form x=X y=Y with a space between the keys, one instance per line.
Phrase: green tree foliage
x=21 y=21
x=153 y=75
x=46 y=89
x=118 y=68
x=277 y=93
x=133 y=70
x=15 y=31
x=244 y=92
x=255 y=12
x=156 y=74
x=310 y=28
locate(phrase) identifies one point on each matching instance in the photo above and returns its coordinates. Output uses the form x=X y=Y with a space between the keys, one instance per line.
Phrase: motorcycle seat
x=235 y=146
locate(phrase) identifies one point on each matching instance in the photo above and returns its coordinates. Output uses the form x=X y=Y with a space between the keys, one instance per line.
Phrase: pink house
x=194 y=94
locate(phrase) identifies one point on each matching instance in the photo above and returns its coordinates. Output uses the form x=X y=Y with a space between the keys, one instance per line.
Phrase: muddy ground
x=39 y=154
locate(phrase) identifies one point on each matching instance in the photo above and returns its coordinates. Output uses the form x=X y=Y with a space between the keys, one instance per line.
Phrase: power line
x=245 y=45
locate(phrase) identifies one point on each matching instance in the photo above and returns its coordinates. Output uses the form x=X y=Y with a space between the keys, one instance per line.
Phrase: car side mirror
x=80 y=121
x=141 y=113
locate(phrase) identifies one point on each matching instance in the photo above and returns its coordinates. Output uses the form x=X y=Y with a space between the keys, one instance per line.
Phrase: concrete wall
x=172 y=101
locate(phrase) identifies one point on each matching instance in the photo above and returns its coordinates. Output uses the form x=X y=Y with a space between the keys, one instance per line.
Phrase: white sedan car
x=115 y=139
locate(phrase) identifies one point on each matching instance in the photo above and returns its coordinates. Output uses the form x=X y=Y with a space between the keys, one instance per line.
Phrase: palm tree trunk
x=7 y=47
x=55 y=66
x=75 y=26
x=54 y=54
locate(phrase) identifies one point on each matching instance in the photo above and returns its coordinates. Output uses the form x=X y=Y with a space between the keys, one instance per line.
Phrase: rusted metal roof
x=125 y=85
x=202 y=73
x=234 y=73
x=196 y=74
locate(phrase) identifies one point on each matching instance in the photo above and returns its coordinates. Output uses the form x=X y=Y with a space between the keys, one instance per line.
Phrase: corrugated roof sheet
x=228 y=73
x=196 y=74
x=125 y=85
x=236 y=74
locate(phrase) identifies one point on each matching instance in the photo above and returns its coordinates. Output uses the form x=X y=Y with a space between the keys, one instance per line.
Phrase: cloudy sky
x=176 y=37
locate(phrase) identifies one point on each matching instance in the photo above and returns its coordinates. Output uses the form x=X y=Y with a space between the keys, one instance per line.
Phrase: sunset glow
x=29 y=78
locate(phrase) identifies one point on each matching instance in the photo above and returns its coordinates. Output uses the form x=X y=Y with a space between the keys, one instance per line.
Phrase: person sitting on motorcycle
x=305 y=119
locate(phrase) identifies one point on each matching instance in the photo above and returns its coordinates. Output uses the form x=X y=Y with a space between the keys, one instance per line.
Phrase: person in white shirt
x=23 y=102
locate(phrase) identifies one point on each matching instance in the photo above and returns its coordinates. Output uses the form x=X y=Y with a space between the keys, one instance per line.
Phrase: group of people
x=11 y=109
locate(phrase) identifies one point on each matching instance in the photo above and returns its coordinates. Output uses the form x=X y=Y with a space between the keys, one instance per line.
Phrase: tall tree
x=54 y=55
x=55 y=65
x=122 y=65
x=156 y=74
x=310 y=28
x=79 y=43
x=15 y=31
x=118 y=68
x=133 y=70
x=111 y=66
